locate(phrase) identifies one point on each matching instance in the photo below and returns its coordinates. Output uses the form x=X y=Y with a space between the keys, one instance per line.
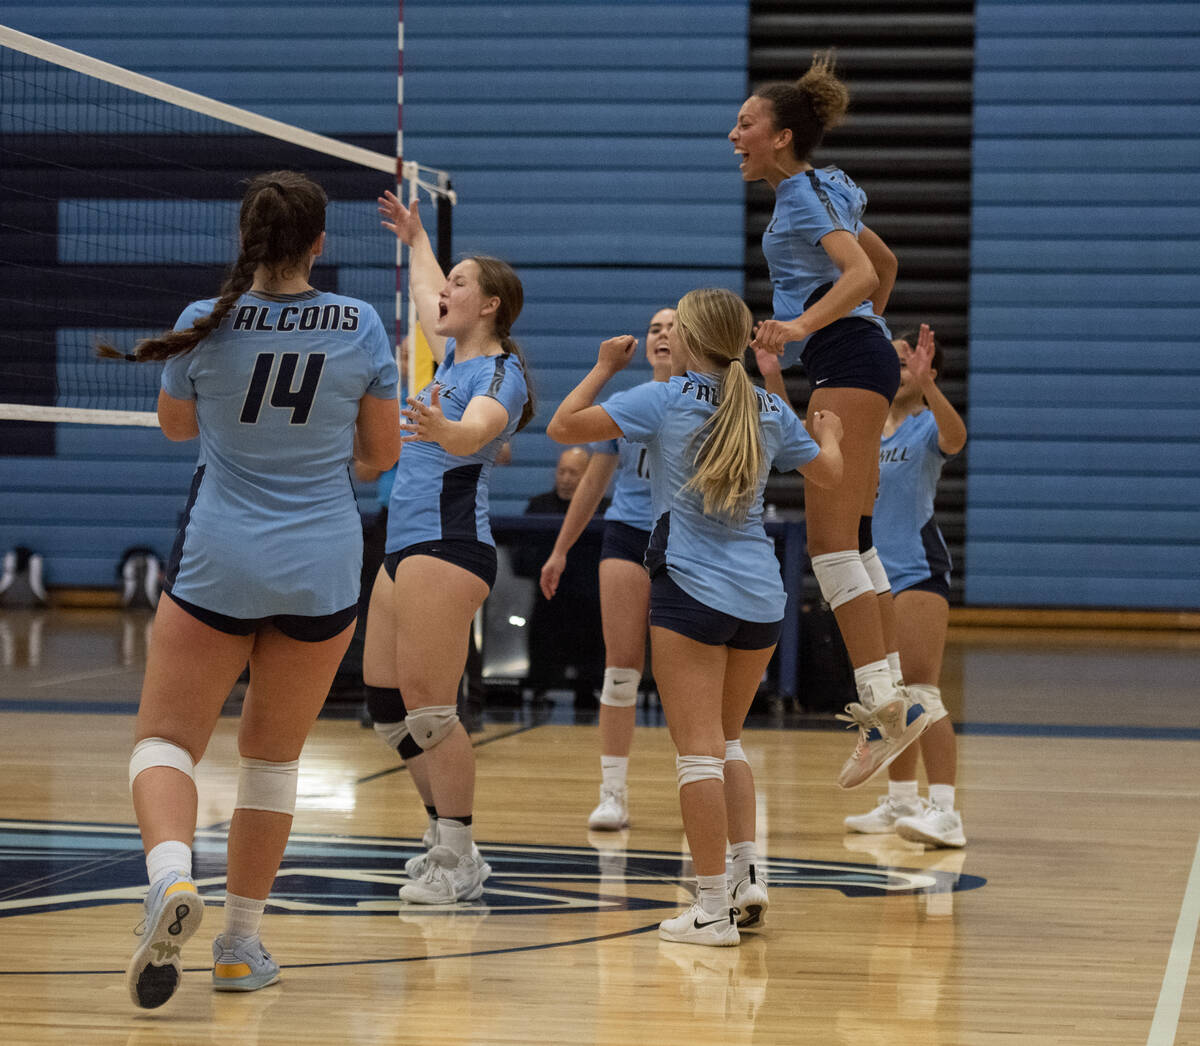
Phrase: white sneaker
x=748 y=897
x=415 y=867
x=612 y=813
x=696 y=926
x=883 y=818
x=448 y=878
x=932 y=826
x=883 y=733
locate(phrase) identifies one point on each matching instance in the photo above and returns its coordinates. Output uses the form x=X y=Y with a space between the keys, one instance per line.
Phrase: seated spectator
x=566 y=641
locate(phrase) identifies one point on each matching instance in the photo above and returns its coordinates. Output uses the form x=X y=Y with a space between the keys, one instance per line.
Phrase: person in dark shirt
x=566 y=641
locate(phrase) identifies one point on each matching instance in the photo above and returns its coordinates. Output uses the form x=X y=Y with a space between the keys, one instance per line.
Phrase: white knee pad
x=875 y=571
x=158 y=751
x=620 y=687
x=929 y=697
x=841 y=577
x=393 y=734
x=692 y=768
x=268 y=786
x=733 y=751
x=431 y=726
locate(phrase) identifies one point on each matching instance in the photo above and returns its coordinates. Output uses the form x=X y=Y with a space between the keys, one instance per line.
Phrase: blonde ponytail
x=716 y=326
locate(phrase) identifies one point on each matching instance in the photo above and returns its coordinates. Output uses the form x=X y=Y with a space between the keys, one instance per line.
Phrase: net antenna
x=134 y=223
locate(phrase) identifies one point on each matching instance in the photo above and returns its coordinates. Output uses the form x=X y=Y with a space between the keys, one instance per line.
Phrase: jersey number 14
x=282 y=394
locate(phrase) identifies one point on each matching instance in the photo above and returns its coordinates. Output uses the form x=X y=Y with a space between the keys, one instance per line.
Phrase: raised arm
x=582 y=508
x=577 y=420
x=952 y=430
x=425 y=272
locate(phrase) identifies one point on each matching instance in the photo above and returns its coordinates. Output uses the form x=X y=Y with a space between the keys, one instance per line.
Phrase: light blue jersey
x=809 y=206
x=631 y=485
x=910 y=545
x=272 y=525
x=727 y=566
x=437 y=494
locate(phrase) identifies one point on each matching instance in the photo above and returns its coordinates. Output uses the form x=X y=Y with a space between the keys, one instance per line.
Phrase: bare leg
x=923 y=619
x=743 y=672
x=624 y=607
x=190 y=670
x=289 y=681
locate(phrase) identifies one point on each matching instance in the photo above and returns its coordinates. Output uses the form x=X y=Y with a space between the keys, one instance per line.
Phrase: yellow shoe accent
x=231 y=969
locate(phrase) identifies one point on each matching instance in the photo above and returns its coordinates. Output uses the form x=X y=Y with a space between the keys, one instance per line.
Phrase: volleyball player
x=624 y=584
x=440 y=558
x=283 y=384
x=922 y=431
x=716 y=596
x=832 y=277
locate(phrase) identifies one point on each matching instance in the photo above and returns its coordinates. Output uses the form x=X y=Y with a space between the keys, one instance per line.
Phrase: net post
x=445 y=222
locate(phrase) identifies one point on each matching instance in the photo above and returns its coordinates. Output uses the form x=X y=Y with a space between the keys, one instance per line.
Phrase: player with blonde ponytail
x=832 y=277
x=716 y=596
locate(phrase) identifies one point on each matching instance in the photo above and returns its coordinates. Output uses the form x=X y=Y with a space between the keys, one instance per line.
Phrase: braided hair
x=282 y=215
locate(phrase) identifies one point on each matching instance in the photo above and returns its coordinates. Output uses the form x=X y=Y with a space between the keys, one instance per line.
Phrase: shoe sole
x=914 y=835
x=244 y=984
x=911 y=733
x=152 y=983
x=725 y=941
x=607 y=826
x=752 y=917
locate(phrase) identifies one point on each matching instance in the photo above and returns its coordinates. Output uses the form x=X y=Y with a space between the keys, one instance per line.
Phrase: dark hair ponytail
x=282 y=214
x=497 y=279
x=810 y=106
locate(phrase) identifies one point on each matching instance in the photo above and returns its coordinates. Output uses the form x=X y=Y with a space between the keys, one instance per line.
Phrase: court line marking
x=403 y=768
x=366 y=962
x=1170 y=997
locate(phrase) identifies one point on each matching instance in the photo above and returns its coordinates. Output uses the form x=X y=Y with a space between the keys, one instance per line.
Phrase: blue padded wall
x=1083 y=484
x=586 y=140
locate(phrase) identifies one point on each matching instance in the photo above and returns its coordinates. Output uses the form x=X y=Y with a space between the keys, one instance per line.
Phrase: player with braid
x=283 y=384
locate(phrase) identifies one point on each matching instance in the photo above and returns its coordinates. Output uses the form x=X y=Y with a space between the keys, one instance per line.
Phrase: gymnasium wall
x=586 y=141
x=1083 y=480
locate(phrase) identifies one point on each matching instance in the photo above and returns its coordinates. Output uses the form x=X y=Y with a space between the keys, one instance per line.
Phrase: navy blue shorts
x=672 y=608
x=852 y=353
x=621 y=541
x=295 y=626
x=476 y=556
x=935 y=583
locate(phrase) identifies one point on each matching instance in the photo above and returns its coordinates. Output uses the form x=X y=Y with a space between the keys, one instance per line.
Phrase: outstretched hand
x=405 y=222
x=425 y=420
x=615 y=353
x=768 y=363
x=920 y=360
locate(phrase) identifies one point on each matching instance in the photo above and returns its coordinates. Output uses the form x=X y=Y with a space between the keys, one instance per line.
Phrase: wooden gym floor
x=1069 y=918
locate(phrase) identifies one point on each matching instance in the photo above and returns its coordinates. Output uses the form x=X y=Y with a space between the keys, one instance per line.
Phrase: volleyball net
x=119 y=199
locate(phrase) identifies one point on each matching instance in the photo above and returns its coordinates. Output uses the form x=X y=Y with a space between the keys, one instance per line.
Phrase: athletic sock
x=712 y=894
x=243 y=915
x=169 y=858
x=874 y=684
x=741 y=857
x=614 y=770
x=905 y=791
x=942 y=796
x=456 y=834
